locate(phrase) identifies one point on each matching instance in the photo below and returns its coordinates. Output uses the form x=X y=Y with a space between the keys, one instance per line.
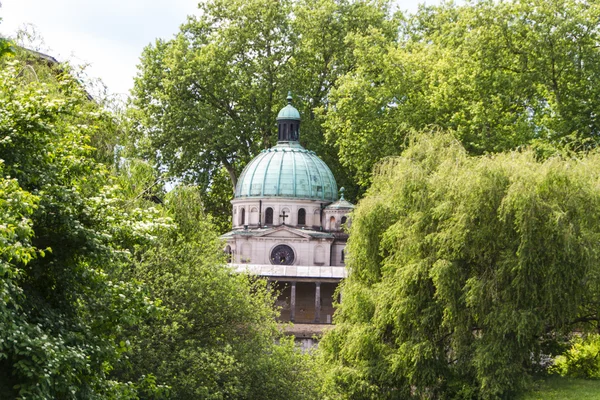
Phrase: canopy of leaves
x=81 y=245
x=497 y=74
x=216 y=337
x=207 y=99
x=463 y=270
x=63 y=237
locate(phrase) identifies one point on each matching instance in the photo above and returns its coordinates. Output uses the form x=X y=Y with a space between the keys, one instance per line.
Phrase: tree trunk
x=232 y=174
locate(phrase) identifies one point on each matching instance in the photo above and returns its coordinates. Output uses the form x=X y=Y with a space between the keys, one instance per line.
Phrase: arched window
x=243 y=217
x=343 y=220
x=332 y=223
x=228 y=253
x=301 y=216
x=269 y=216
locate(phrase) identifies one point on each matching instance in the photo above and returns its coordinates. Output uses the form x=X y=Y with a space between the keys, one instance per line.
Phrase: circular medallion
x=282 y=255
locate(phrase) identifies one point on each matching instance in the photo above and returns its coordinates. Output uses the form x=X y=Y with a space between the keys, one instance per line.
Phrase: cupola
x=288 y=122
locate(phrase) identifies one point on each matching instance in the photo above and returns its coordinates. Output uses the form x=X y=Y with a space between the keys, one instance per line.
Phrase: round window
x=282 y=255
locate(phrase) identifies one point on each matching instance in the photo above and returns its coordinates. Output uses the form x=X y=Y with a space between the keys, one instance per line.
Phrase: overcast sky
x=110 y=34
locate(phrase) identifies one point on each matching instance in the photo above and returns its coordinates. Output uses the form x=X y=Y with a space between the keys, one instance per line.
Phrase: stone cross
x=283 y=216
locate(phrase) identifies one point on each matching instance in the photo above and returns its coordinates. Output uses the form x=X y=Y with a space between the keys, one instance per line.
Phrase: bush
x=582 y=360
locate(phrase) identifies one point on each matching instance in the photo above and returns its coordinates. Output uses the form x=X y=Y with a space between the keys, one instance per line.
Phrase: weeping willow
x=465 y=272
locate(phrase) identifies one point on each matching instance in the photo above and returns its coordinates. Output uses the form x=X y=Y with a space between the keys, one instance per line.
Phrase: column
x=293 y=303
x=318 y=302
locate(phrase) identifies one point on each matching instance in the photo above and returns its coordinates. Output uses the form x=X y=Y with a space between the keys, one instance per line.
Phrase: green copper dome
x=287 y=170
x=288 y=112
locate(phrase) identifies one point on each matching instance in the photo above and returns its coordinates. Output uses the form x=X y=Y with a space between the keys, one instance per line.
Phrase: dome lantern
x=288 y=122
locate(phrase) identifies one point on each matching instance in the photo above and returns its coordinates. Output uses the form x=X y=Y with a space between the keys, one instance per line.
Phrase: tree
x=64 y=240
x=207 y=100
x=81 y=247
x=321 y=57
x=5 y=47
x=498 y=74
x=216 y=337
x=463 y=271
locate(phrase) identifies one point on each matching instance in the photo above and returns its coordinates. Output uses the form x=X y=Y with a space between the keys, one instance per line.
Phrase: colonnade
x=292 y=302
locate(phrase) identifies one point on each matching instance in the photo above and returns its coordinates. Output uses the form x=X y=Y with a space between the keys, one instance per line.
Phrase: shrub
x=582 y=360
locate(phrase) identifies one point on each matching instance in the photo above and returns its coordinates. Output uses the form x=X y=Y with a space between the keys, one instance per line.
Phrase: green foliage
x=497 y=74
x=216 y=200
x=216 y=337
x=6 y=47
x=462 y=268
x=64 y=237
x=80 y=248
x=582 y=360
x=206 y=101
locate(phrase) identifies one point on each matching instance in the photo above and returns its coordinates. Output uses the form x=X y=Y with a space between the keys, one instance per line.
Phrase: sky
x=107 y=35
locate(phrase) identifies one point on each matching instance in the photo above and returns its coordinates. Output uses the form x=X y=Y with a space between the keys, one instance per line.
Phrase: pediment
x=285 y=233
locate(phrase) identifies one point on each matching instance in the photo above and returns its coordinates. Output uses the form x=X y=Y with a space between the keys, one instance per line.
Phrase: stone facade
x=318 y=254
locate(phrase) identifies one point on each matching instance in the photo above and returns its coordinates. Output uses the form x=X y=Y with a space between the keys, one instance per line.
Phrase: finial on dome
x=289 y=97
x=342 y=190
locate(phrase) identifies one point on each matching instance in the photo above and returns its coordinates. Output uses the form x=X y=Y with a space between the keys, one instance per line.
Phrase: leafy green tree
x=5 y=47
x=581 y=360
x=463 y=271
x=79 y=249
x=321 y=57
x=498 y=74
x=207 y=100
x=64 y=240
x=217 y=337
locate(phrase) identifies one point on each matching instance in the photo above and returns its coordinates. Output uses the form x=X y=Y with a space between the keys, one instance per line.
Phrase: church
x=289 y=225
